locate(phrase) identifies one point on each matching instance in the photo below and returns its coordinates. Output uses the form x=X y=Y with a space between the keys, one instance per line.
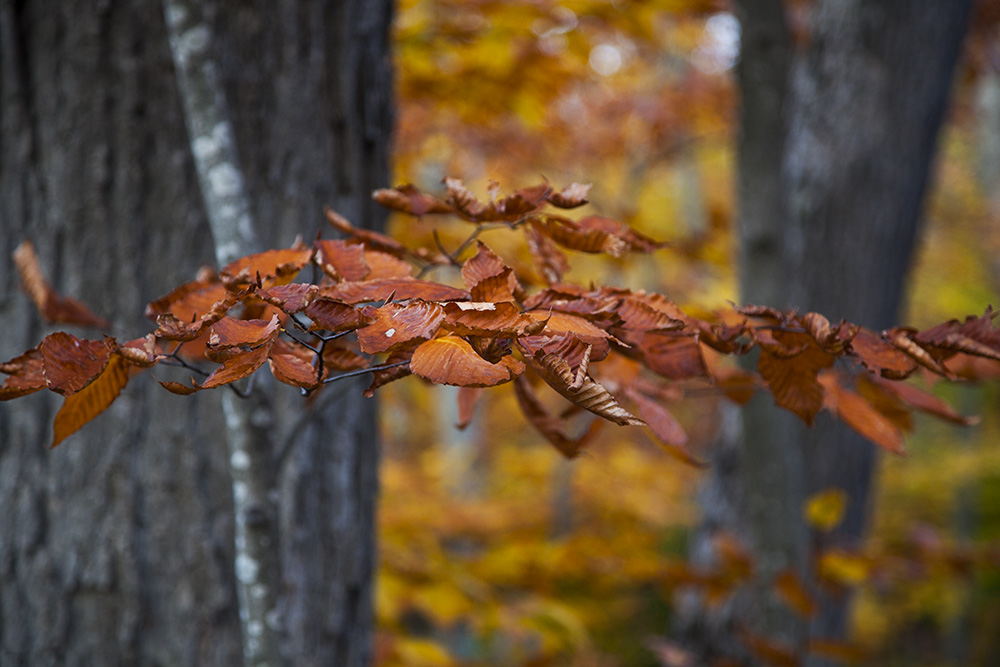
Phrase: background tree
x=119 y=551
x=837 y=138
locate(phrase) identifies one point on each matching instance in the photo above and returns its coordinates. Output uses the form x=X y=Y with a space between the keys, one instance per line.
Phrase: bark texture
x=836 y=148
x=116 y=548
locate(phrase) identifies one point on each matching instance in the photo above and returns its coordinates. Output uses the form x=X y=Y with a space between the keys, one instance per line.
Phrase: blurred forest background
x=496 y=550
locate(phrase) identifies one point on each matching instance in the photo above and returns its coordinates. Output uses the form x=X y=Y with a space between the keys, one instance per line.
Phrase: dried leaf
x=230 y=332
x=859 y=414
x=551 y=262
x=570 y=235
x=395 y=325
x=382 y=265
x=385 y=376
x=664 y=426
x=925 y=402
x=791 y=375
x=881 y=357
x=238 y=366
x=674 y=355
x=291 y=298
x=342 y=260
x=789 y=586
x=292 y=364
x=92 y=400
x=550 y=427
x=486 y=318
x=484 y=264
x=451 y=360
x=462 y=200
x=26 y=375
x=408 y=199
x=588 y=393
x=71 y=363
x=401 y=288
x=179 y=388
x=331 y=315
x=371 y=239
x=573 y=195
x=274 y=266
x=53 y=308
x=467 y=399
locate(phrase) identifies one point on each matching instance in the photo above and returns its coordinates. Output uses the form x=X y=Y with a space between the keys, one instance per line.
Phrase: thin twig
x=362 y=371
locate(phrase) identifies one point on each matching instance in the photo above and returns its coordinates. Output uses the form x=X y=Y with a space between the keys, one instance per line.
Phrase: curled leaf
x=451 y=360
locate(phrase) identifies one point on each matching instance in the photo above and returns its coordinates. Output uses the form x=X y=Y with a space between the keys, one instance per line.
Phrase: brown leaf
x=484 y=264
x=573 y=195
x=395 y=325
x=789 y=365
x=292 y=364
x=976 y=336
x=281 y=264
x=486 y=318
x=26 y=375
x=408 y=199
x=92 y=400
x=331 y=315
x=383 y=265
x=340 y=357
x=550 y=261
x=789 y=586
x=71 y=363
x=190 y=300
x=53 y=308
x=549 y=426
x=859 y=414
x=902 y=339
x=674 y=355
x=342 y=260
x=230 y=332
x=179 y=388
x=639 y=312
x=451 y=360
x=401 y=288
x=633 y=240
x=373 y=240
x=467 y=399
x=387 y=375
x=238 y=366
x=881 y=357
x=569 y=234
x=925 y=401
x=462 y=200
x=291 y=298
x=583 y=391
x=141 y=352
x=664 y=426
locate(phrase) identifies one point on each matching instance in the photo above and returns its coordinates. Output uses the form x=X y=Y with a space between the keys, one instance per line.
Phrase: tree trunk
x=116 y=548
x=835 y=154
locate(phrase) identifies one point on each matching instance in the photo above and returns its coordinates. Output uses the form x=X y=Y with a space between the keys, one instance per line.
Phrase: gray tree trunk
x=116 y=548
x=835 y=154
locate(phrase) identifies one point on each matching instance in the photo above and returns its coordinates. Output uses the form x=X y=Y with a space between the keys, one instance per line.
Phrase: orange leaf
x=664 y=426
x=290 y=298
x=408 y=199
x=292 y=364
x=451 y=360
x=92 y=400
x=478 y=318
x=789 y=364
x=881 y=357
x=332 y=315
x=569 y=234
x=859 y=414
x=674 y=355
x=571 y=196
x=551 y=262
x=230 y=332
x=370 y=238
x=925 y=401
x=281 y=264
x=178 y=388
x=467 y=399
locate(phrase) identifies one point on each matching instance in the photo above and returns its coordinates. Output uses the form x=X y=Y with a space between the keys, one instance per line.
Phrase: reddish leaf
x=484 y=264
x=292 y=364
x=394 y=372
x=573 y=195
x=551 y=262
x=189 y=301
x=478 y=318
x=859 y=414
x=383 y=265
x=562 y=324
x=901 y=338
x=229 y=332
x=462 y=200
x=674 y=355
x=664 y=426
x=881 y=357
x=238 y=366
x=71 y=363
x=550 y=427
x=408 y=199
x=633 y=240
x=342 y=260
x=92 y=400
x=291 y=298
x=141 y=352
x=789 y=362
x=400 y=288
x=26 y=375
x=451 y=360
x=53 y=308
x=789 y=586
x=640 y=313
x=342 y=358
x=179 y=388
x=581 y=389
x=331 y=315
x=975 y=336
x=925 y=402
x=570 y=235
x=467 y=399
x=395 y=325
x=373 y=240
x=281 y=264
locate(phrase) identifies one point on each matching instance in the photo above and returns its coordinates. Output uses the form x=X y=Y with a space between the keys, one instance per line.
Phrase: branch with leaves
x=620 y=354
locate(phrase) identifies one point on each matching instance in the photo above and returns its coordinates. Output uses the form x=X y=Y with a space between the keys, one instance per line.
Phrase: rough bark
x=836 y=148
x=116 y=548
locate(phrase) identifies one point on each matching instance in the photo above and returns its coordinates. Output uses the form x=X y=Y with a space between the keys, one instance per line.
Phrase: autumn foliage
x=371 y=309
